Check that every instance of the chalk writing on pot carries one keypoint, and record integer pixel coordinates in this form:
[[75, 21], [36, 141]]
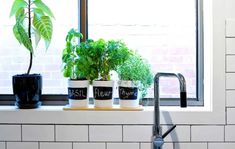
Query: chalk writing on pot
[[128, 93], [77, 93], [102, 92]]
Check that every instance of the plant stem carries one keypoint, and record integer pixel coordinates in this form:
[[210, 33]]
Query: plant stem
[[29, 34], [30, 62]]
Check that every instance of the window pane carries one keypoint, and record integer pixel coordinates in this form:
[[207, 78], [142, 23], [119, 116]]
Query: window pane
[[15, 58], [162, 31]]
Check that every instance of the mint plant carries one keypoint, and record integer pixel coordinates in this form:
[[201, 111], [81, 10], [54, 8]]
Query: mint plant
[[33, 18]]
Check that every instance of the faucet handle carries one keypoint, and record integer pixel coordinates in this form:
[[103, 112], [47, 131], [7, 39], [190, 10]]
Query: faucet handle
[[183, 99], [168, 131]]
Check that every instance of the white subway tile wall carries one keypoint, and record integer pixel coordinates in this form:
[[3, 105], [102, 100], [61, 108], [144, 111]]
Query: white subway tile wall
[[22, 145], [230, 98], [207, 133], [71, 133], [190, 146], [221, 146], [53, 145], [137, 133], [230, 133], [230, 81], [149, 145], [230, 115], [106, 133], [90, 145], [123, 146], [230, 63], [10, 133], [38, 133], [230, 45], [180, 133], [2, 145]]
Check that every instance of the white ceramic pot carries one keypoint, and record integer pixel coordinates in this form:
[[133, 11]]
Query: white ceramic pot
[[103, 94], [78, 93], [128, 94]]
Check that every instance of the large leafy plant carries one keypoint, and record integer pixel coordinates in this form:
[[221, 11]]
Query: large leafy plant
[[72, 67], [33, 17], [138, 70]]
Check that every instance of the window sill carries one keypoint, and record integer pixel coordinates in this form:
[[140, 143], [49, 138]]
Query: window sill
[[56, 115]]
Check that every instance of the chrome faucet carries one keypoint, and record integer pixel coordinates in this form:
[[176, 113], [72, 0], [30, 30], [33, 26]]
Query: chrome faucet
[[158, 137]]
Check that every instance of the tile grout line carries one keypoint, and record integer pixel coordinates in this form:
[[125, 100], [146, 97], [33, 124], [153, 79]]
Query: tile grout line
[[224, 133], [21, 131], [54, 132], [226, 113], [190, 133], [122, 134], [88, 132]]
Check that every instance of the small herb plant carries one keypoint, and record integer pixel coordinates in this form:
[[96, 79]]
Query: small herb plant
[[70, 57], [33, 17], [136, 69], [115, 54], [102, 57]]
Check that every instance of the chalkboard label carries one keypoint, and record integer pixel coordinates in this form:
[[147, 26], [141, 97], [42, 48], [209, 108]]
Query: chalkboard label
[[102, 93], [77, 93], [129, 93]]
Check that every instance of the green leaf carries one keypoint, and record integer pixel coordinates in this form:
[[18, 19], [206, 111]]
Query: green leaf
[[37, 37], [20, 15], [38, 12], [44, 26], [43, 7], [67, 71], [24, 37], [18, 4], [16, 33], [47, 43]]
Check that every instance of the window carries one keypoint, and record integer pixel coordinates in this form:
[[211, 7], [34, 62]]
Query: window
[[168, 33]]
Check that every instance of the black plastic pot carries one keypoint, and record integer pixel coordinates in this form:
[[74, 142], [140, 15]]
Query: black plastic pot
[[27, 89]]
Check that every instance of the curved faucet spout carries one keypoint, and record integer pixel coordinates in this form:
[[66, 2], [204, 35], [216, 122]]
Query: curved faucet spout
[[183, 99], [182, 82]]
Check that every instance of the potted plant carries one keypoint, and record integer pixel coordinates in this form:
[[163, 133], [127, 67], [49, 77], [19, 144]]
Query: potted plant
[[75, 68], [33, 18], [106, 56], [135, 75]]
